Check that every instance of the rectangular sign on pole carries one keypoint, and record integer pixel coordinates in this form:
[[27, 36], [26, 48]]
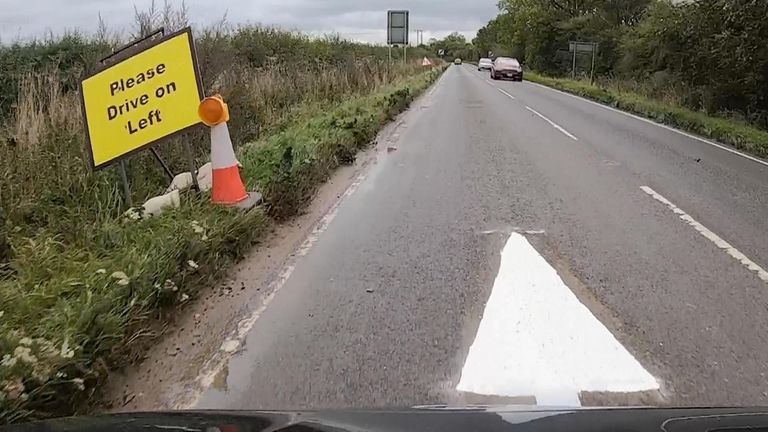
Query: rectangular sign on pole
[[397, 27], [142, 99], [581, 46]]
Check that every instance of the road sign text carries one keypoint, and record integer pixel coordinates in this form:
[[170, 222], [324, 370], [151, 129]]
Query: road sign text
[[142, 99]]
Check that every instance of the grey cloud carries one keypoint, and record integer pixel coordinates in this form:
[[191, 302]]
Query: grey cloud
[[356, 19]]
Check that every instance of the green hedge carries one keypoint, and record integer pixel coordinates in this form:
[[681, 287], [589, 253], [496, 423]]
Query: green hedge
[[70, 315]]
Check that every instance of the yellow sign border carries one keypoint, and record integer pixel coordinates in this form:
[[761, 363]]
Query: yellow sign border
[[196, 67]]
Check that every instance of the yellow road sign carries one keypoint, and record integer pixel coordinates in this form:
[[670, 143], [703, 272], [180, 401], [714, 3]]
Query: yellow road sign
[[142, 99]]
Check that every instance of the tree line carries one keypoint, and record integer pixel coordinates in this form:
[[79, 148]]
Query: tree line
[[708, 55], [455, 45]]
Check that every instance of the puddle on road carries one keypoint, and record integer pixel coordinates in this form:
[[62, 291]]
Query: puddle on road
[[220, 380]]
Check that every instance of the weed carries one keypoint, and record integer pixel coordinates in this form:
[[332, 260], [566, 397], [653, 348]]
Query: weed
[[80, 283]]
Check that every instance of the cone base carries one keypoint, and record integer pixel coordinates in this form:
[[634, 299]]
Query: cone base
[[254, 199], [228, 188]]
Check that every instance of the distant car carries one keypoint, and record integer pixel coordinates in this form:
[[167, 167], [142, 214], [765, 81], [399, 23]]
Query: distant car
[[484, 64], [457, 61], [506, 67]]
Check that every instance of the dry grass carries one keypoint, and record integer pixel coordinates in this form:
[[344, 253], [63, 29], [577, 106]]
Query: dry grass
[[79, 283]]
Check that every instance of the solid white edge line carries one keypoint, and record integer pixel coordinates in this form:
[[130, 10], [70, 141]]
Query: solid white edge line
[[554, 125], [434, 86], [711, 236], [670, 128], [502, 91], [235, 340]]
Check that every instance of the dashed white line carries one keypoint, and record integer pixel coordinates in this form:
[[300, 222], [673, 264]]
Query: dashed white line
[[554, 125], [537, 339], [502, 91], [643, 119], [711, 236]]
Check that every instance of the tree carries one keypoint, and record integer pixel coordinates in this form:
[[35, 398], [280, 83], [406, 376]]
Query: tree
[[711, 54], [454, 45]]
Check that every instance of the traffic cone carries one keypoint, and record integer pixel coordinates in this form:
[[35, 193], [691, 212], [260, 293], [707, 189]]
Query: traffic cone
[[227, 187]]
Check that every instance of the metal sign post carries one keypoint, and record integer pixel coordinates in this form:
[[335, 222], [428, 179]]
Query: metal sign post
[[583, 47], [126, 185], [150, 90], [573, 68]]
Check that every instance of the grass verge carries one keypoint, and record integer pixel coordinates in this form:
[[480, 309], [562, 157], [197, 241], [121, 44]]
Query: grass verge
[[736, 133], [69, 315]]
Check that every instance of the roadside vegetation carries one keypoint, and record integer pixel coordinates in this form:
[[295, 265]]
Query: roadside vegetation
[[700, 65], [82, 287]]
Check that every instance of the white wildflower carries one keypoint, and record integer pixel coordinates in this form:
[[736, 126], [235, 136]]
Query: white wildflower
[[133, 213], [184, 297], [13, 389], [79, 383], [8, 361], [41, 373], [193, 264], [170, 286], [122, 278], [101, 271], [196, 227], [199, 230], [119, 275], [24, 397], [46, 348], [66, 351], [25, 341], [24, 354]]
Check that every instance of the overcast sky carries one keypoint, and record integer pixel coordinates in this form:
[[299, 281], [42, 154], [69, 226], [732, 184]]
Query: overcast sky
[[363, 20]]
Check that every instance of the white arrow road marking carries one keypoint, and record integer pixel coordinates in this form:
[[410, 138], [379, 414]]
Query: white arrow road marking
[[536, 338], [711, 236]]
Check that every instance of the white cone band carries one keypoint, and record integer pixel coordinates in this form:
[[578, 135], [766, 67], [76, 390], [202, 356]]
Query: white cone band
[[222, 153]]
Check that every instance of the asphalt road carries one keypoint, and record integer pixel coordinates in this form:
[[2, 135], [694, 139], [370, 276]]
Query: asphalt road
[[384, 306]]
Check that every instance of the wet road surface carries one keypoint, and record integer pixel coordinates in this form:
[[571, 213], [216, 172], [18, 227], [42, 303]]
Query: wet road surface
[[519, 237]]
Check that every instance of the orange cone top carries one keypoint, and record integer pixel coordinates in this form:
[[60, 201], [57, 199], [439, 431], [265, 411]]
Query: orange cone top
[[213, 110]]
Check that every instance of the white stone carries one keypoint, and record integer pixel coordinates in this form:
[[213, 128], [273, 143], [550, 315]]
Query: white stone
[[155, 206], [181, 182]]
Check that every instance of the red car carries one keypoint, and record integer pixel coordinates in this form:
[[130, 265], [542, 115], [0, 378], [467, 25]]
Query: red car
[[506, 67]]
